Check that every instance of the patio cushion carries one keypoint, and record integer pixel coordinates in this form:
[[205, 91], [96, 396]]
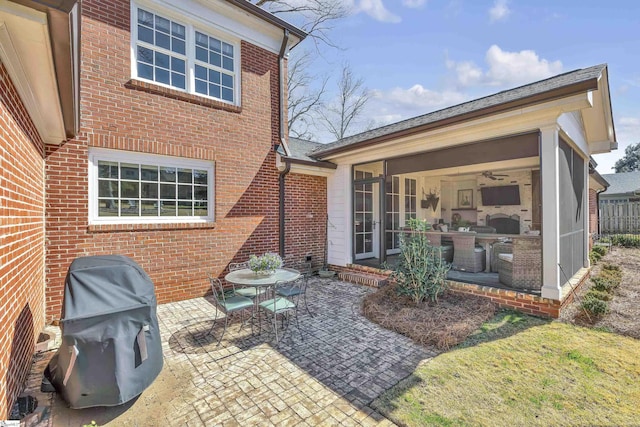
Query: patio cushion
[[236, 302], [281, 304], [506, 257], [250, 292], [289, 291]]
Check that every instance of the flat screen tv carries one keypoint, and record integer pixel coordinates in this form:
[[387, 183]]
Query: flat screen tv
[[500, 196]]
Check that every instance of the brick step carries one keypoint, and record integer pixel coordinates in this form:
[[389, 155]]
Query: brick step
[[362, 279]]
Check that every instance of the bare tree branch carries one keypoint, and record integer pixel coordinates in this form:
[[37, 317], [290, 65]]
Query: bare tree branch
[[340, 118], [304, 99]]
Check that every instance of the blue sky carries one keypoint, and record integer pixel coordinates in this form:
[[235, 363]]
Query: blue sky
[[417, 56]]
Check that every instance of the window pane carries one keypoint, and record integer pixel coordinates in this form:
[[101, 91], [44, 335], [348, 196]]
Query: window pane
[[201, 87], [227, 63], [162, 76], [178, 65], [108, 207], [145, 34], [167, 191], [162, 24], [178, 46], [201, 72], [167, 208], [214, 45], [227, 94], [200, 177], [129, 171], [107, 169], [201, 54], [185, 208], [129, 189], [130, 207], [177, 30], [185, 176], [163, 40], [149, 190], [227, 49], [162, 60], [178, 80], [185, 192], [145, 55], [149, 173], [202, 40], [227, 80], [200, 209], [149, 208], [145, 71], [107, 188], [145, 17], [200, 193], [214, 91], [214, 77], [168, 174], [214, 59]]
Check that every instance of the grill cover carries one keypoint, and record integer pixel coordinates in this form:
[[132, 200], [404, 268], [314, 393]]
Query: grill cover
[[111, 349]]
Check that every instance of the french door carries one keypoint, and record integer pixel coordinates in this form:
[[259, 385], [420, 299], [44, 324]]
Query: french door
[[366, 213]]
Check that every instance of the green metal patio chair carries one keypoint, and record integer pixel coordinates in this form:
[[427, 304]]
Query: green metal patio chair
[[249, 291], [298, 289], [227, 304], [283, 307]]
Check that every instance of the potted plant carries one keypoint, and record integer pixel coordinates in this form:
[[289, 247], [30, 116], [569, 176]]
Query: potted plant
[[266, 264]]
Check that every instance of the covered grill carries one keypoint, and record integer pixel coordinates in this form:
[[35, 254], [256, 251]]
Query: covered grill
[[111, 349]]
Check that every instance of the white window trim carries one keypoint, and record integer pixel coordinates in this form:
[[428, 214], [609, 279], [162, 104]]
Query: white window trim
[[192, 24], [97, 154]]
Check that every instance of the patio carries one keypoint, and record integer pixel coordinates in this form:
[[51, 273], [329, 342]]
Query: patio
[[329, 378]]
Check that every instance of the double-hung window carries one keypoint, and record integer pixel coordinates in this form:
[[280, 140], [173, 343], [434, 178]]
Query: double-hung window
[[175, 53], [129, 187]]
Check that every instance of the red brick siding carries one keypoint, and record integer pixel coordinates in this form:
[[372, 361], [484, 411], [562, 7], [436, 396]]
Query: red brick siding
[[305, 217], [21, 242], [118, 113]]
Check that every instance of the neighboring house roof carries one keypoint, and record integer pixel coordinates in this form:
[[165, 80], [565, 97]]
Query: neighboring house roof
[[269, 17], [299, 148], [622, 183], [552, 88]]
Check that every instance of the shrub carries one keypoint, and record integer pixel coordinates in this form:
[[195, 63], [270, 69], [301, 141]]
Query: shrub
[[594, 257], [615, 277], [421, 272], [601, 295], [600, 250], [605, 283], [594, 306], [611, 267], [626, 240]]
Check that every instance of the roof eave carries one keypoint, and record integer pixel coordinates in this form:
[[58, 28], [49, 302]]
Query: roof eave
[[320, 163], [269, 17], [551, 95]]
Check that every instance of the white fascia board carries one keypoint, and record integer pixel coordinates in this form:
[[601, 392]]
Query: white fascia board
[[511, 122], [311, 170], [572, 128], [25, 50], [223, 17]]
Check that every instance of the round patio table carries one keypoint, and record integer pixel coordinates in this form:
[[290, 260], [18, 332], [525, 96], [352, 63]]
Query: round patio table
[[246, 277]]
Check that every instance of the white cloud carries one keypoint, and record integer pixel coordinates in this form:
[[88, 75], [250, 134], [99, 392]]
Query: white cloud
[[376, 10], [414, 4], [400, 103], [500, 11], [504, 68]]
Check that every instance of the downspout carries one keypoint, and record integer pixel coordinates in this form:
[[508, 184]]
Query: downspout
[[283, 142]]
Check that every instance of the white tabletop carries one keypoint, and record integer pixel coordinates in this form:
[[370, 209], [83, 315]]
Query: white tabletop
[[247, 277]]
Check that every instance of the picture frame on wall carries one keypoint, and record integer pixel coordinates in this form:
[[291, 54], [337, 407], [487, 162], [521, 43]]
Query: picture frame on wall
[[465, 199]]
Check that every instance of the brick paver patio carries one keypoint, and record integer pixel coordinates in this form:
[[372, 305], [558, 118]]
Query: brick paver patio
[[329, 378]]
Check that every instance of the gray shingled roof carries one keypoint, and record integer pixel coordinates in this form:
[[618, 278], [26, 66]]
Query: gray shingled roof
[[299, 149], [519, 93], [622, 183]]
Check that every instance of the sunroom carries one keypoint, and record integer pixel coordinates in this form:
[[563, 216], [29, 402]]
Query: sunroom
[[502, 181]]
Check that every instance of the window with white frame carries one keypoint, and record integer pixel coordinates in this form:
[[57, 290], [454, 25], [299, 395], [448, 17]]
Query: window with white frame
[[174, 53], [127, 187]]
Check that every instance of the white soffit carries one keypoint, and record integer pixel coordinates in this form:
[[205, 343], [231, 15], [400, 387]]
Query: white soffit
[[25, 51], [598, 120]]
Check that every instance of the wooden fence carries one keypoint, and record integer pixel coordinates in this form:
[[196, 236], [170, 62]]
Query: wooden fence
[[620, 217]]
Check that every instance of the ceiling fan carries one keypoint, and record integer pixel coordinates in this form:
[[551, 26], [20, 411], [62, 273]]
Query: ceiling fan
[[493, 176]]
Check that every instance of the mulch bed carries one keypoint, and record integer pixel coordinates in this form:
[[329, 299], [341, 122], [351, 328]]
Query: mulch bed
[[443, 325]]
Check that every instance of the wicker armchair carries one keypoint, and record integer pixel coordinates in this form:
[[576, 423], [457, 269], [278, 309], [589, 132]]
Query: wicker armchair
[[435, 239], [522, 269], [466, 255], [497, 249]]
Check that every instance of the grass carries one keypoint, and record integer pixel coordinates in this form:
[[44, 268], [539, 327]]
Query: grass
[[520, 370]]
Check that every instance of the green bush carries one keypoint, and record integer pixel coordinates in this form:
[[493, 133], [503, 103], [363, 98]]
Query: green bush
[[594, 306], [601, 295], [626, 240], [421, 272], [594, 256], [612, 267], [600, 250], [605, 283], [614, 276]]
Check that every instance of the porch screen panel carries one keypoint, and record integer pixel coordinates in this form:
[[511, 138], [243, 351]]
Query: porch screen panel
[[571, 210], [410, 199], [392, 191]]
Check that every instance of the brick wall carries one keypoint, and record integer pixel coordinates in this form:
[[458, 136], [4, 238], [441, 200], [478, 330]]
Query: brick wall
[[305, 217], [21, 242], [123, 114]]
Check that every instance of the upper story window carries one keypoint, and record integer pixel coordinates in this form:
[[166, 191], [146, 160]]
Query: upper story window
[[173, 52], [127, 187]]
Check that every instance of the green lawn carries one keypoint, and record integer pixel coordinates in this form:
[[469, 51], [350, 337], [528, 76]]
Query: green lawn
[[521, 371]]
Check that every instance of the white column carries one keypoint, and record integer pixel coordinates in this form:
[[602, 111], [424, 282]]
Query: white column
[[339, 231], [549, 173]]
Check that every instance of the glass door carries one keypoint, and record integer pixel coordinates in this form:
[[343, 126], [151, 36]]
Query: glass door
[[365, 216]]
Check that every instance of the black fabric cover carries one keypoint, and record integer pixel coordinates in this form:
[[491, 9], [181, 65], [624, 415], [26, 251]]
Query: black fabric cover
[[109, 317]]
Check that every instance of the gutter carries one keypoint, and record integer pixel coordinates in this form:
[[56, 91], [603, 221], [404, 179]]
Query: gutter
[[283, 144]]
